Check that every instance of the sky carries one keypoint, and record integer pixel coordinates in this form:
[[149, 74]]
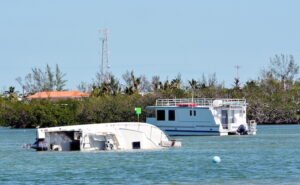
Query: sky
[[156, 37]]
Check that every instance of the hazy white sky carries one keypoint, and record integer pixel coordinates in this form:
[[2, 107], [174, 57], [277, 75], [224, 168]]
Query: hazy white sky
[[150, 37]]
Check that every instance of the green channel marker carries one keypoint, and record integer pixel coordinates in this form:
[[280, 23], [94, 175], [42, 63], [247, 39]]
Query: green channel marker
[[138, 111]]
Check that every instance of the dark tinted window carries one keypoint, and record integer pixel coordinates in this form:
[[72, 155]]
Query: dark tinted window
[[160, 115], [136, 145], [171, 115]]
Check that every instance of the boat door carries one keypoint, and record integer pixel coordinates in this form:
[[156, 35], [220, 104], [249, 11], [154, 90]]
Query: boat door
[[224, 119]]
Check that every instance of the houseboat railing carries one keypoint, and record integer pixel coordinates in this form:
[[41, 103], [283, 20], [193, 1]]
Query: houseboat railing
[[233, 102], [199, 102]]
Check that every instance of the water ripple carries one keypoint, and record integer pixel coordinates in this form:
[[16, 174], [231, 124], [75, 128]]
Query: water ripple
[[271, 157]]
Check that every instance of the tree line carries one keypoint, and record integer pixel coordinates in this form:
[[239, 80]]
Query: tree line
[[273, 98]]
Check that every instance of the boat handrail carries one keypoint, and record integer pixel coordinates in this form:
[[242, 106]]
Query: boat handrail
[[199, 102]]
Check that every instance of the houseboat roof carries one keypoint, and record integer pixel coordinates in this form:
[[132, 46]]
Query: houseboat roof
[[199, 102]]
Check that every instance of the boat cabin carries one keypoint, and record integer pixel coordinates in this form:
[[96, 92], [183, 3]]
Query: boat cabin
[[199, 116]]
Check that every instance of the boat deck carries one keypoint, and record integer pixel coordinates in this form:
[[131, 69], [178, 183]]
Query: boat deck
[[199, 102]]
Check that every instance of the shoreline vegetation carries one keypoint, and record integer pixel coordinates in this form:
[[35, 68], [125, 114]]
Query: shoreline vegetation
[[273, 98]]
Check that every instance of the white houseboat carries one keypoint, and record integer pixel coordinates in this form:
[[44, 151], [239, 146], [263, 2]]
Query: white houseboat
[[198, 116], [102, 137]]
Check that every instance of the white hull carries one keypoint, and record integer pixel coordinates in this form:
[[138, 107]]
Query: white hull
[[108, 136]]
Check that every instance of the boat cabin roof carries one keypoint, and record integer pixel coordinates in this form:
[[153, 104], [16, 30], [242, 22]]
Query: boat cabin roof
[[199, 102]]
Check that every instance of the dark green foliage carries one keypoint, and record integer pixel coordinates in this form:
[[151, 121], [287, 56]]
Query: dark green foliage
[[274, 98], [36, 113], [267, 101], [45, 113]]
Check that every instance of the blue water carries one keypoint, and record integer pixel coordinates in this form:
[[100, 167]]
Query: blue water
[[271, 157]]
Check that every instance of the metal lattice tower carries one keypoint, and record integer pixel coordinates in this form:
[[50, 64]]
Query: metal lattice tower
[[104, 55], [237, 71]]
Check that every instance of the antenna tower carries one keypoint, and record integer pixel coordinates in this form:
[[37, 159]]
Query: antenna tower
[[104, 55], [237, 71]]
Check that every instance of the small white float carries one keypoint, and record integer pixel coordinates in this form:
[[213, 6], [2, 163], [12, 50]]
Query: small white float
[[106, 136], [216, 159]]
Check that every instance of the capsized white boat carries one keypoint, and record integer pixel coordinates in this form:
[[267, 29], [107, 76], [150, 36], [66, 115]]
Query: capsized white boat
[[106, 136]]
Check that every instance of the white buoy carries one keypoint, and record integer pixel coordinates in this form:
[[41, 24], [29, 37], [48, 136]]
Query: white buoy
[[216, 159]]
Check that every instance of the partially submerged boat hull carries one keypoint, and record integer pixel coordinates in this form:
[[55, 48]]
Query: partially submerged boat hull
[[102, 137]]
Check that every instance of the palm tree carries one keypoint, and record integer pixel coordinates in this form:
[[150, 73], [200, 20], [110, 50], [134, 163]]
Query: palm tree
[[11, 93], [156, 83], [133, 83], [194, 84], [109, 87]]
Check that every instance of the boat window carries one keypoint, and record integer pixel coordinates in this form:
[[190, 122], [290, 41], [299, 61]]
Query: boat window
[[224, 118], [171, 115], [231, 116], [192, 112], [136, 145], [160, 115]]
